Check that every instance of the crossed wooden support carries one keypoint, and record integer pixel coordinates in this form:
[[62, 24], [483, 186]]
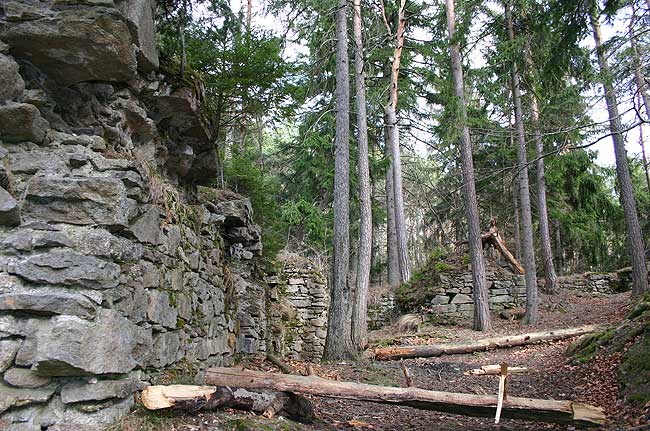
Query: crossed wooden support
[[503, 372]]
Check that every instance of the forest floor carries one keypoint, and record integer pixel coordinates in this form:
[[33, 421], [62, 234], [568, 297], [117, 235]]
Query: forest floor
[[553, 376]]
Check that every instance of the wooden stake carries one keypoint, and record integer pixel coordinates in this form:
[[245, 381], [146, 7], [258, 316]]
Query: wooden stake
[[502, 391], [407, 374]]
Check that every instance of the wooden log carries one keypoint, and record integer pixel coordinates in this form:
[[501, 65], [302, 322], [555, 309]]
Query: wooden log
[[283, 366], [494, 370], [193, 398], [564, 412], [500, 245], [430, 350]]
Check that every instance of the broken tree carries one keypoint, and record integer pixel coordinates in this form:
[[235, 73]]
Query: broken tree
[[429, 350], [193, 398], [566, 412]]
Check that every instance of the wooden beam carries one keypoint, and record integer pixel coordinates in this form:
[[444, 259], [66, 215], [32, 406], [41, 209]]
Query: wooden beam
[[564, 412], [193, 398], [431, 350]]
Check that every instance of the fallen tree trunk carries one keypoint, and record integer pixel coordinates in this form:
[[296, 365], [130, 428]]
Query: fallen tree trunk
[[564, 412], [429, 350], [193, 398]]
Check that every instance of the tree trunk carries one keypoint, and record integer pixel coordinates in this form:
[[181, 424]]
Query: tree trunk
[[531, 315], [338, 344], [516, 214], [193, 398], [360, 313], [566, 412], [642, 93], [479, 286], [558, 247], [626, 192], [391, 237], [550, 278], [393, 137], [432, 350]]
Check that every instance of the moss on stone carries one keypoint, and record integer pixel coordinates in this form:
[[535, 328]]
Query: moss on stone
[[635, 372]]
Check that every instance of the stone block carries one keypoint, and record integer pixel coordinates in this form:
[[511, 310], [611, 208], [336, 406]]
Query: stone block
[[12, 83], [22, 122], [70, 346], [146, 228], [9, 210], [165, 349], [440, 300], [100, 390], [461, 299], [18, 397], [81, 201], [47, 300], [24, 378], [59, 46], [159, 309], [8, 350], [69, 268]]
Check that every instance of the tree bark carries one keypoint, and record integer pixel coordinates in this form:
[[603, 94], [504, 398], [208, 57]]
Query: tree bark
[[432, 350], [393, 137], [531, 315], [193, 398], [626, 192], [479, 286], [642, 93], [391, 237], [566, 412], [517, 224], [550, 277], [360, 313], [558, 247], [338, 344]]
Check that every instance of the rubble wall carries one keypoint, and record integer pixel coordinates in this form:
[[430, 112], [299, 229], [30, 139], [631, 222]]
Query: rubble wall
[[115, 264]]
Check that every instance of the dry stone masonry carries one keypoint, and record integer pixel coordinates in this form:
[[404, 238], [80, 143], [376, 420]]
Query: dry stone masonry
[[115, 263], [299, 301]]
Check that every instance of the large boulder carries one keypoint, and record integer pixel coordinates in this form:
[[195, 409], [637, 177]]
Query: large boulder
[[76, 45], [68, 268], [22, 122], [81, 201], [139, 15], [70, 346], [12, 83]]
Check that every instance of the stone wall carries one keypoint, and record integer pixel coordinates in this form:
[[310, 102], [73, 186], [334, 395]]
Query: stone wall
[[454, 292], [451, 296], [299, 302], [114, 264]]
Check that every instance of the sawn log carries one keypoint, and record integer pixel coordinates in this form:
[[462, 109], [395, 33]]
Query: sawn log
[[194, 398], [564, 412], [429, 350]]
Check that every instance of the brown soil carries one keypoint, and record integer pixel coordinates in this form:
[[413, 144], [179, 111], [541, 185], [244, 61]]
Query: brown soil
[[552, 377]]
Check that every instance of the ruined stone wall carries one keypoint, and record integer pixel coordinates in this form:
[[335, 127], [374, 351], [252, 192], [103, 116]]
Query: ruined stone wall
[[451, 293], [298, 304], [114, 264]]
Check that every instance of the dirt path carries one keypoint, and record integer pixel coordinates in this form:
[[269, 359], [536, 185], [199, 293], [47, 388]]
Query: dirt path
[[552, 377]]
